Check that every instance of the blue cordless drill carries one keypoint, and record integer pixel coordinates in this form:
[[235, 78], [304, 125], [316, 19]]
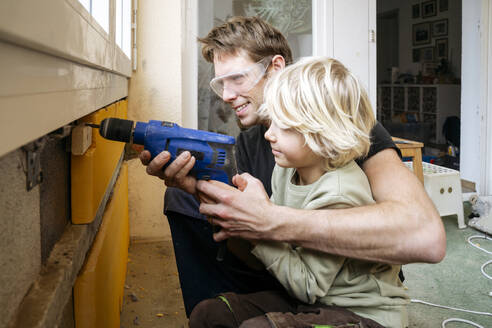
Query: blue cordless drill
[[214, 153]]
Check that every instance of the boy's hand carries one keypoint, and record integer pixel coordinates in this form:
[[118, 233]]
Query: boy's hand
[[204, 198]]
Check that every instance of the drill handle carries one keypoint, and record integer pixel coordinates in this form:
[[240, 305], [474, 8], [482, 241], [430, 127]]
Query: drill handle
[[212, 175]]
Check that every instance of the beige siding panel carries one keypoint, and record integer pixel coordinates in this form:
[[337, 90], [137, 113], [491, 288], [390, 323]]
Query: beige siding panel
[[40, 93]]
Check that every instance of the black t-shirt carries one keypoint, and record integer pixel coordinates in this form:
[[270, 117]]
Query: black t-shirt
[[254, 156]]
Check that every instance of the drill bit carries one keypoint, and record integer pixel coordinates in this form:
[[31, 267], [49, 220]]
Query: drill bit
[[92, 125]]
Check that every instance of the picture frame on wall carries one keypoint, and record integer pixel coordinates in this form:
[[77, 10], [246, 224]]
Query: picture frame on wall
[[421, 33], [429, 8], [416, 10], [427, 54], [440, 28], [443, 5], [441, 48]]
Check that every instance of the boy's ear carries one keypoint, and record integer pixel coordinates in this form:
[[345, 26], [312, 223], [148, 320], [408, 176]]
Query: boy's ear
[[278, 63]]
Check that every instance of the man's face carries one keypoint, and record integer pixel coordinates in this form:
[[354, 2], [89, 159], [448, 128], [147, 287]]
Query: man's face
[[244, 103]]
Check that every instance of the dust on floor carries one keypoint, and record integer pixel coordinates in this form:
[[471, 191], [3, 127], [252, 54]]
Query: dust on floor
[[152, 293]]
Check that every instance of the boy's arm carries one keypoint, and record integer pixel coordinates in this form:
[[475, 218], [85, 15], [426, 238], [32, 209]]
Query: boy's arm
[[402, 227], [306, 274]]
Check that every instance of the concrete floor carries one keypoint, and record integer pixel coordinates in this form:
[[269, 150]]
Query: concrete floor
[[152, 292], [153, 297]]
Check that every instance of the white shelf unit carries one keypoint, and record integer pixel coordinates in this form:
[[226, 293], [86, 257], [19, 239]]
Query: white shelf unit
[[431, 103]]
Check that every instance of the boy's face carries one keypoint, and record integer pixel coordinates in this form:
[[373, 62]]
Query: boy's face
[[290, 150], [244, 103]]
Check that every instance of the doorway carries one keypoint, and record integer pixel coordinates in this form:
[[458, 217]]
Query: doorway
[[419, 75], [388, 51]]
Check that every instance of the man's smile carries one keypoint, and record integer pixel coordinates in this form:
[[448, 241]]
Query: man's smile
[[240, 108]]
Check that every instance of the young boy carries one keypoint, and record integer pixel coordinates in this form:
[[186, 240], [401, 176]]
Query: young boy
[[321, 121]]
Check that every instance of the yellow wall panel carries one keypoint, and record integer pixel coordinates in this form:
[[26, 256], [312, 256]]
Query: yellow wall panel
[[99, 288], [92, 172]]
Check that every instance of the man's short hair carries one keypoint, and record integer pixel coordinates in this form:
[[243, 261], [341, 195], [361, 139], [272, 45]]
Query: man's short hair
[[325, 102], [253, 35]]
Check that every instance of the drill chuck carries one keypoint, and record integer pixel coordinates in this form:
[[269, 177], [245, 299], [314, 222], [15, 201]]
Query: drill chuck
[[116, 129]]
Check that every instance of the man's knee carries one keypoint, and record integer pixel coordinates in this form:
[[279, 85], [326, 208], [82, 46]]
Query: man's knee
[[256, 322], [212, 312]]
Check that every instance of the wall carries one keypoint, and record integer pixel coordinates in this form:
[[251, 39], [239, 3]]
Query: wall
[[20, 237], [57, 65], [470, 92], [453, 14], [154, 94], [54, 194]]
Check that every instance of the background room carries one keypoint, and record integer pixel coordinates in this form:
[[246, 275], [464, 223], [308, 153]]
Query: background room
[[419, 74]]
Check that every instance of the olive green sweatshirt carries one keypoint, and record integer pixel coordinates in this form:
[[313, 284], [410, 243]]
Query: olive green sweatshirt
[[372, 290]]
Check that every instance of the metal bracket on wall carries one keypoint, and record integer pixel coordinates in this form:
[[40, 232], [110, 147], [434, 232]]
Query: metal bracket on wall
[[34, 174], [33, 150]]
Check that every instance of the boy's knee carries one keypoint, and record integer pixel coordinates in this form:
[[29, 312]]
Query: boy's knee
[[211, 313]]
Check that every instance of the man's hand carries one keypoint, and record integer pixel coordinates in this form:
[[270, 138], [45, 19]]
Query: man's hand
[[176, 174], [242, 212]]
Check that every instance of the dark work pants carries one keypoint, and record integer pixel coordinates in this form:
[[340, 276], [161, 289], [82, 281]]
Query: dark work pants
[[272, 309], [200, 274]]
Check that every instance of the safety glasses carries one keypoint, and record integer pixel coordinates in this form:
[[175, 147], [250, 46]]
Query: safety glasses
[[243, 81]]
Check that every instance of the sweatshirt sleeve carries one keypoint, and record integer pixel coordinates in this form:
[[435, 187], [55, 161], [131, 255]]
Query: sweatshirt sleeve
[[306, 274]]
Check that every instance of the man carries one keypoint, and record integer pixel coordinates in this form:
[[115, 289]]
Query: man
[[403, 226]]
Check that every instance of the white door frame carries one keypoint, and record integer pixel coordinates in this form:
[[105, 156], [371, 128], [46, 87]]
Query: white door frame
[[485, 183], [323, 28], [189, 64], [324, 18]]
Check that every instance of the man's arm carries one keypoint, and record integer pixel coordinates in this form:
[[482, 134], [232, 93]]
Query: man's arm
[[402, 227], [403, 203]]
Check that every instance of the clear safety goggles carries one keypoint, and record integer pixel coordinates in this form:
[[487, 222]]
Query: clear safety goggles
[[242, 81]]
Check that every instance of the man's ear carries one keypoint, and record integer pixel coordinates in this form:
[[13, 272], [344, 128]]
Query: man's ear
[[278, 63]]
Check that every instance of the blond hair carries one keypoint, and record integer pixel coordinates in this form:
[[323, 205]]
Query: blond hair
[[325, 102], [251, 34]]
